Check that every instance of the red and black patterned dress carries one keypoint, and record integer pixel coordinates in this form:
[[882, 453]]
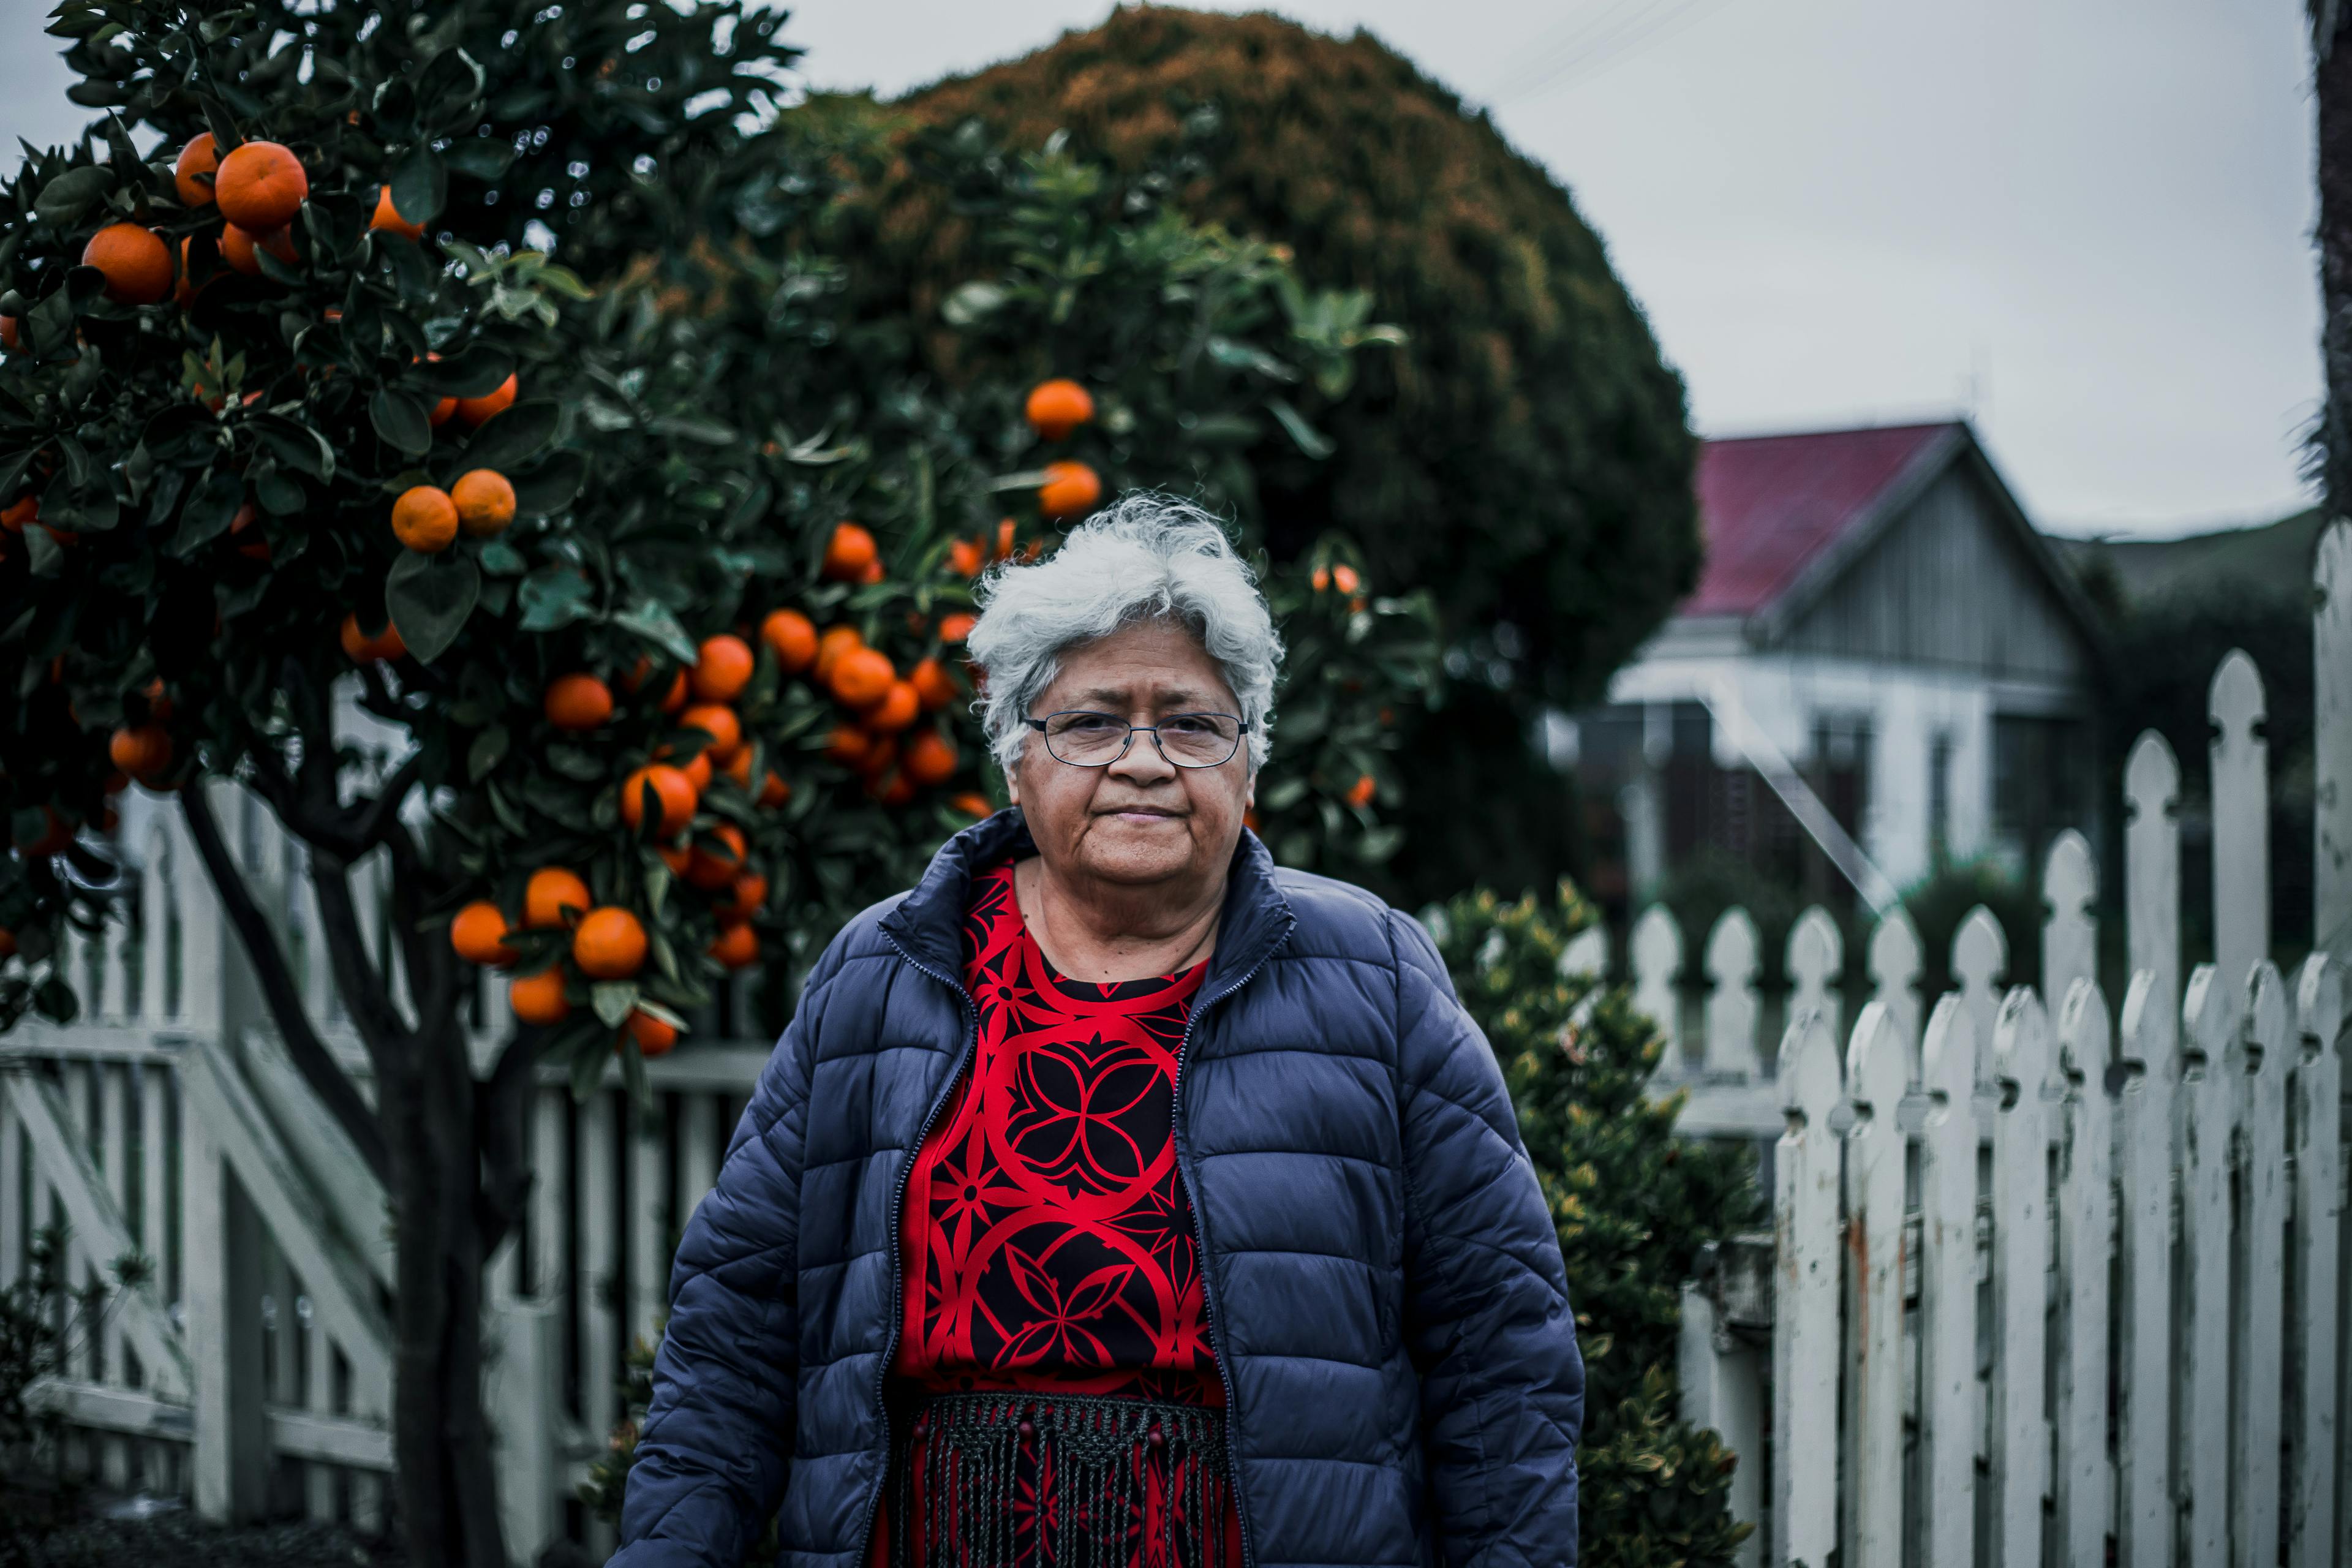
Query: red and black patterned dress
[[1052, 1284]]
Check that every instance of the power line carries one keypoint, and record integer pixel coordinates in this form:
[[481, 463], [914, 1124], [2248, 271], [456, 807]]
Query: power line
[[1660, 20]]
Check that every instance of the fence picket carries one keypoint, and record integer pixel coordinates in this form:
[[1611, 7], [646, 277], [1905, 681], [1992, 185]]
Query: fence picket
[[1878, 1070], [2021, 1237], [2317, 1132], [602, 1142], [2241, 824], [114, 1167], [2069, 931], [1805, 1309], [1732, 1007], [2144, 1173], [649, 1241], [2258, 1075], [2086, 1219], [1979, 961], [2202, 1489], [1947, 1287], [1895, 961], [1655, 951], [1816, 958]]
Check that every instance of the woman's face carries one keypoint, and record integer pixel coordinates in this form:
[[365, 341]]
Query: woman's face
[[1142, 819]]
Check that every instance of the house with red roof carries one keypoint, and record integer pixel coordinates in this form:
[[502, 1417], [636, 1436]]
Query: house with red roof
[[1884, 667]]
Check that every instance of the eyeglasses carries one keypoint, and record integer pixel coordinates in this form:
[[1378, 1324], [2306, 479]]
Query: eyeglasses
[[1086, 740]]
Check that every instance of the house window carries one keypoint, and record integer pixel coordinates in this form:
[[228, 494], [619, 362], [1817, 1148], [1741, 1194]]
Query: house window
[[2041, 781], [1939, 798]]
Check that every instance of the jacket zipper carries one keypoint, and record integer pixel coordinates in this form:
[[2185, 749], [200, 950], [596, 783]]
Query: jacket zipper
[[897, 1220], [1201, 1240]]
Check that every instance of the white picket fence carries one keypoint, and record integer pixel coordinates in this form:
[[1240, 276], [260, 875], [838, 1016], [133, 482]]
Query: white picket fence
[[2035, 1279], [2046, 1279]]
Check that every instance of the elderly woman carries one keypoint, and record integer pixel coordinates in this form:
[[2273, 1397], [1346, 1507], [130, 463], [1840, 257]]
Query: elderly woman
[[1116, 1196]]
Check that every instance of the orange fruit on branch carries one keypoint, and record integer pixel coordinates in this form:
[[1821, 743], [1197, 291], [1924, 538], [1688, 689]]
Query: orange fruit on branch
[[738, 946], [1071, 489], [792, 637], [964, 558], [901, 706], [933, 685], [863, 677], [192, 173], [1059, 406], [849, 745], [719, 722], [748, 897], [610, 944], [538, 999], [257, 548], [260, 186], [1359, 794], [698, 770], [137, 264], [711, 868], [366, 649], [738, 766], [957, 626], [973, 803], [237, 246], [930, 758], [485, 502], [849, 552], [837, 641], [474, 410], [387, 216], [578, 701], [674, 792], [722, 667], [551, 891], [479, 935], [774, 791], [654, 1035], [143, 751], [424, 519]]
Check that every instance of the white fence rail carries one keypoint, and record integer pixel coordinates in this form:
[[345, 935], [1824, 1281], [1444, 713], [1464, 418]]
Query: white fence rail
[[2047, 1278]]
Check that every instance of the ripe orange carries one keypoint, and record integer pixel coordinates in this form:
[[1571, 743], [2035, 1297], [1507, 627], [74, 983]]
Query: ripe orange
[[673, 795], [848, 552], [549, 892], [849, 746], [424, 519], [578, 701], [485, 500], [793, 637], [17, 513], [474, 410], [893, 788], [1059, 406], [1359, 794], [137, 264], [1070, 489], [930, 758], [674, 699], [932, 684], [1003, 540], [443, 411], [158, 700], [722, 667], [237, 245], [260, 186], [711, 869], [386, 216], [774, 791], [717, 721], [973, 803], [873, 572], [192, 175], [366, 649], [257, 548], [900, 707], [738, 767], [654, 1037], [749, 896], [7, 944], [7, 332], [880, 753], [837, 641], [478, 934], [964, 557], [738, 946], [143, 751], [676, 857], [538, 999], [957, 626], [698, 770], [610, 944], [862, 678]]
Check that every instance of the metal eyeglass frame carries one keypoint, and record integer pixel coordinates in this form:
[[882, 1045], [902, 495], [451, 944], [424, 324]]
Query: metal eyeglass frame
[[1241, 732]]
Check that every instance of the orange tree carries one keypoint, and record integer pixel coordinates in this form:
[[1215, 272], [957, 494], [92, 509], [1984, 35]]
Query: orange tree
[[446, 422]]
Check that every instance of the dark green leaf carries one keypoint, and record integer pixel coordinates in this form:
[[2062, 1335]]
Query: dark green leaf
[[614, 1000], [429, 597], [652, 619], [483, 157], [490, 747], [513, 434], [1311, 441], [553, 597], [209, 511], [549, 486], [574, 763], [420, 184], [446, 89], [65, 200], [400, 419], [296, 445], [475, 372], [500, 559]]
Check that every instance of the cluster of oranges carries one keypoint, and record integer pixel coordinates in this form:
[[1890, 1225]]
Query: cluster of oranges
[[608, 942], [1054, 409], [429, 519]]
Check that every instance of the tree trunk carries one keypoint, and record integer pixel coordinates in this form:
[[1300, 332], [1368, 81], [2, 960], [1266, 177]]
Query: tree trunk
[[2332, 87]]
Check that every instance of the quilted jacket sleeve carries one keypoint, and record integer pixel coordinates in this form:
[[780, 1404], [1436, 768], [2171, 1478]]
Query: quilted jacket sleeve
[[710, 1461], [1487, 1321]]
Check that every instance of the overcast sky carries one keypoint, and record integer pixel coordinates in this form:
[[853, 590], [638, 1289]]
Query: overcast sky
[[2084, 222]]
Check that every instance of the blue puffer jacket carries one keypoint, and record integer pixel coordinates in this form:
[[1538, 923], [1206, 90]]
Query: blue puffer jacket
[[1385, 1293]]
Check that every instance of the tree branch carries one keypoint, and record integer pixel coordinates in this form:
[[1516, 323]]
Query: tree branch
[[498, 1110], [380, 1024], [311, 1058]]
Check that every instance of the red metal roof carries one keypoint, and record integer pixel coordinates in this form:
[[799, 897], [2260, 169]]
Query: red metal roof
[[1768, 504]]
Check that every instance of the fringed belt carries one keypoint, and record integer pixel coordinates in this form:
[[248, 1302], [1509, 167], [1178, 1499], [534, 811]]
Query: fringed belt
[[987, 1480]]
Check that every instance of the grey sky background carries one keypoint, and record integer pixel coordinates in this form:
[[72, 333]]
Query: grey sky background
[[2085, 223]]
